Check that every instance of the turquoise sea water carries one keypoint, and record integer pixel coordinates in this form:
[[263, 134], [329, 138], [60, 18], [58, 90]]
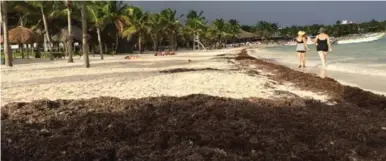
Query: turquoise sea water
[[362, 64], [363, 58]]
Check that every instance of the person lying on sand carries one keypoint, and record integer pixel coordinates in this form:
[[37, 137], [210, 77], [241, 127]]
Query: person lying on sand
[[165, 53], [130, 57]]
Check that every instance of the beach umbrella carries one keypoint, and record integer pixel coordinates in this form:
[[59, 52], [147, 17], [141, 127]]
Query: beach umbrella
[[22, 35]]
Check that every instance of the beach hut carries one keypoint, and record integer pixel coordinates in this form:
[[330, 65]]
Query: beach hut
[[22, 35], [244, 36]]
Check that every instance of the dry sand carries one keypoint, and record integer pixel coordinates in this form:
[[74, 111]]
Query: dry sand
[[196, 127], [118, 77]]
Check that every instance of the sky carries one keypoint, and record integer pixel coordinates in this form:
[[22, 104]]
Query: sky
[[285, 13]]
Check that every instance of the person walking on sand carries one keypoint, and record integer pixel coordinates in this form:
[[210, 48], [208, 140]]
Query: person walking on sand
[[301, 47], [323, 45]]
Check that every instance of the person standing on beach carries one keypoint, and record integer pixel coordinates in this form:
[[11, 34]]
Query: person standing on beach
[[323, 45], [301, 47]]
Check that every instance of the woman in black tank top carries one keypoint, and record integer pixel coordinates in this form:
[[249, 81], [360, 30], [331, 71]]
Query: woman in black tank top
[[322, 42]]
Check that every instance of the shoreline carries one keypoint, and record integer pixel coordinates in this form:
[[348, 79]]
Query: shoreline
[[345, 78]]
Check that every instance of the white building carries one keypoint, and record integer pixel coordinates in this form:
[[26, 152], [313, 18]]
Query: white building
[[343, 22]]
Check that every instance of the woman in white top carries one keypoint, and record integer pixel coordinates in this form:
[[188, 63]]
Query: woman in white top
[[301, 47]]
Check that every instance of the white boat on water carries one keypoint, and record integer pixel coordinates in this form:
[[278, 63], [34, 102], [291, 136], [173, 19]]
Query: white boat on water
[[366, 38]]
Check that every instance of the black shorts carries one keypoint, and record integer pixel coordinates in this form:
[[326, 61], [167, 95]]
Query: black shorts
[[322, 50], [301, 51]]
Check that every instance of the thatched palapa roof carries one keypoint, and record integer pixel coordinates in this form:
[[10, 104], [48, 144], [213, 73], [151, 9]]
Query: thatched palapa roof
[[22, 35], [244, 34]]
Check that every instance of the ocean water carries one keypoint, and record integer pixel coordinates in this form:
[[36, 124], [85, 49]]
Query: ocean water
[[362, 64]]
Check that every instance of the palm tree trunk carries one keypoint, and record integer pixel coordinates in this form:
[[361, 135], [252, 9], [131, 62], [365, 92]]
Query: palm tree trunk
[[100, 42], [37, 53], [84, 36], [47, 34], [69, 41], [6, 47], [21, 46], [171, 42], [139, 44], [1, 32], [28, 47], [65, 46], [194, 41], [116, 44], [154, 39], [175, 42], [154, 45], [21, 20], [32, 50]]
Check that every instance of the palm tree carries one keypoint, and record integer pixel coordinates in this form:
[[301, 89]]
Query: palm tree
[[84, 35], [1, 33], [68, 4], [136, 23], [156, 26], [172, 25], [234, 28], [247, 28], [118, 14], [99, 16], [7, 51], [42, 7], [23, 10], [195, 24], [266, 29], [219, 30]]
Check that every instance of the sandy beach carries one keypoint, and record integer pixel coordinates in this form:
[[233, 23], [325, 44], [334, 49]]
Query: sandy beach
[[220, 105], [142, 77]]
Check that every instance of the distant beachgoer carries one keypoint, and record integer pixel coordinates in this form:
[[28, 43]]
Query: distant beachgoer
[[301, 48], [323, 45]]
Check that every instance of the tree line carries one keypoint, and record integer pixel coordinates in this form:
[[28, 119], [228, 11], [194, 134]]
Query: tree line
[[115, 26], [336, 30]]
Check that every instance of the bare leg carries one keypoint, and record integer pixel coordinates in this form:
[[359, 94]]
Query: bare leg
[[322, 58], [300, 59], [303, 59], [325, 58]]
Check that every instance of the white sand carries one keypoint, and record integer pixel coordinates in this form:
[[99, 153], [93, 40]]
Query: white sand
[[118, 77]]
